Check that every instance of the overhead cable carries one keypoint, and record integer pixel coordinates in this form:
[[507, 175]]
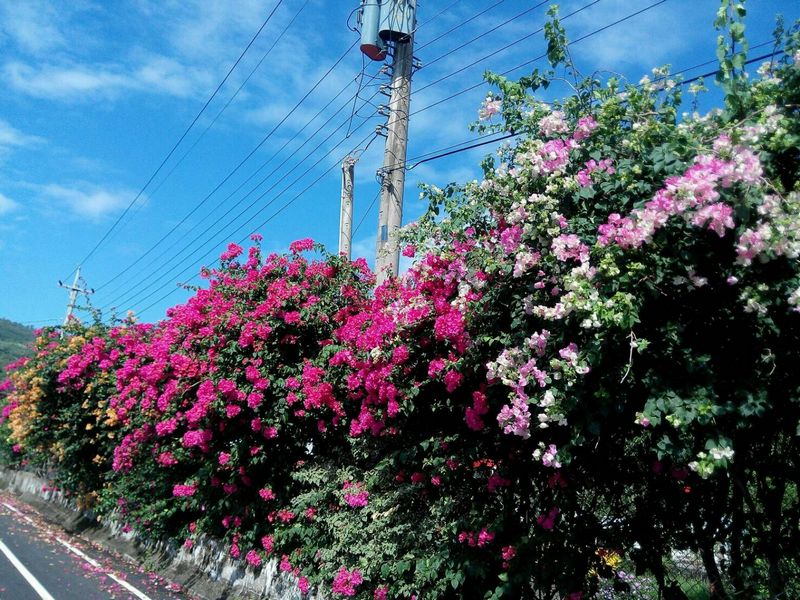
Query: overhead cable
[[180, 140]]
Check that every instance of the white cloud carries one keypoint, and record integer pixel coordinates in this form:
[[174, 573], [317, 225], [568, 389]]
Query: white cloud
[[630, 46], [31, 24], [7, 205], [87, 200], [11, 137], [161, 74], [57, 82], [153, 74]]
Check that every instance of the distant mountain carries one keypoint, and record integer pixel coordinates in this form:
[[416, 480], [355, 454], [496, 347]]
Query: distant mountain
[[15, 341]]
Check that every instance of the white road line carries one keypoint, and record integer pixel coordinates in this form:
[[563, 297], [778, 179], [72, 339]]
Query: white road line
[[83, 555], [128, 587], [9, 507], [96, 564], [19, 512], [34, 583]]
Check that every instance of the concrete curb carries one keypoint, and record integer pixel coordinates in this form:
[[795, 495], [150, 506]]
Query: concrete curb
[[206, 571]]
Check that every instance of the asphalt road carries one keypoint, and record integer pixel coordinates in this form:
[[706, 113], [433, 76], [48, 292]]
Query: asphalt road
[[39, 561]]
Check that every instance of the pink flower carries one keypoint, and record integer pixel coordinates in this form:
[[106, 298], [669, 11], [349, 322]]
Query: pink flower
[[166, 459], [224, 458], [355, 494], [549, 457], [381, 593], [584, 128], [548, 521], [232, 252], [484, 537], [285, 566], [182, 491], [291, 318], [511, 238], [515, 418], [452, 380], [266, 494], [303, 585], [346, 582], [253, 558], [489, 108], [435, 366], [267, 543], [301, 245]]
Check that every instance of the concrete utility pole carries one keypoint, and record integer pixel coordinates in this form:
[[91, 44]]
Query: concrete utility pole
[[74, 290], [390, 216], [346, 212]]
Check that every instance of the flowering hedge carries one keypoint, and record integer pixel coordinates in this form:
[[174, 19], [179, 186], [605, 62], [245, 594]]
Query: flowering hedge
[[590, 364]]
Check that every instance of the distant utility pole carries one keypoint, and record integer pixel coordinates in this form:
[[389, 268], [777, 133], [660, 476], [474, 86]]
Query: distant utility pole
[[384, 22], [346, 211], [77, 287], [390, 215]]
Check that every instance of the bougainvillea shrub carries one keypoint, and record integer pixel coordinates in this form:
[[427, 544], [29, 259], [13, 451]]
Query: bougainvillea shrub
[[591, 365]]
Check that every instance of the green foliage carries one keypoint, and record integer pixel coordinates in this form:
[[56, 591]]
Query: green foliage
[[590, 369], [15, 341]]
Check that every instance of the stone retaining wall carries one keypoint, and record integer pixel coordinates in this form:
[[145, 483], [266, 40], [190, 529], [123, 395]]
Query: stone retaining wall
[[207, 570]]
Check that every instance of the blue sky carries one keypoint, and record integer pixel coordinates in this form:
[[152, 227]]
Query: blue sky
[[97, 92]]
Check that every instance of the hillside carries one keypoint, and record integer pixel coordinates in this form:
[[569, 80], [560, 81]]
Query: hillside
[[14, 341]]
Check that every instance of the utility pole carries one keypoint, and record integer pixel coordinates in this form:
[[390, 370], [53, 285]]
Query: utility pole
[[346, 211], [393, 173], [74, 289]]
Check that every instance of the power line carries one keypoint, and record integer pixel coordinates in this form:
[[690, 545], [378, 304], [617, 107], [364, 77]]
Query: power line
[[254, 188], [458, 148], [540, 57], [242, 161], [189, 247], [285, 176], [492, 30], [747, 62], [182, 137], [442, 153], [185, 218], [459, 25], [232, 98], [275, 214], [506, 47], [366, 212], [433, 156]]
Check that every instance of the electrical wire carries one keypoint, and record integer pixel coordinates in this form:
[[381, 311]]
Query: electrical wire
[[232, 98], [459, 26], [542, 56], [457, 148], [245, 159], [180, 140], [440, 154], [149, 251], [507, 46], [439, 14], [246, 181], [139, 289], [366, 212], [492, 30], [268, 220], [190, 247]]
